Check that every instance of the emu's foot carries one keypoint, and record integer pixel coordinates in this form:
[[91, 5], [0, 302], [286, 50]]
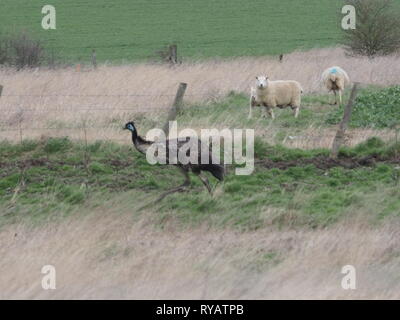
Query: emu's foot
[[212, 192], [181, 188]]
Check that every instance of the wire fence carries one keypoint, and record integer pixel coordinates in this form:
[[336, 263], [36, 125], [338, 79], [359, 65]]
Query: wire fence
[[18, 128], [16, 121], [85, 108], [19, 112], [95, 107], [100, 95]]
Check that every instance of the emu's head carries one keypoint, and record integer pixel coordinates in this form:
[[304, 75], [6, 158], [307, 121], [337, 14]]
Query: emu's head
[[130, 126], [262, 82]]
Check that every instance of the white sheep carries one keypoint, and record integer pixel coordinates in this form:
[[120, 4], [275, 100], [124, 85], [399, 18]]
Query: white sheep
[[271, 94], [335, 79]]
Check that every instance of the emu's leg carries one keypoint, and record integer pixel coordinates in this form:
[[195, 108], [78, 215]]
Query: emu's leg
[[179, 188], [187, 178], [205, 182]]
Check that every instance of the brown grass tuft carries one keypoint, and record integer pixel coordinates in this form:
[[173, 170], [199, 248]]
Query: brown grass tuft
[[109, 256]]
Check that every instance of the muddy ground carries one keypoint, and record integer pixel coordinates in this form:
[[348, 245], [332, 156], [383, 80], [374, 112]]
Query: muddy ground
[[320, 162]]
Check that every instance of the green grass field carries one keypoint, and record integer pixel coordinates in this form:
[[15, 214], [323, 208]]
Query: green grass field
[[134, 30]]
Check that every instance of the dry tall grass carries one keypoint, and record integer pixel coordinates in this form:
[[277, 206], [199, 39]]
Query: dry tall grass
[[109, 256], [106, 97]]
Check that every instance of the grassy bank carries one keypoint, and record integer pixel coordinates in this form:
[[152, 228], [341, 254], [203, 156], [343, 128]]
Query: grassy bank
[[48, 179]]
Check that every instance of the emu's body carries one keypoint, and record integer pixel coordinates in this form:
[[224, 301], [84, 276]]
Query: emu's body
[[172, 147]]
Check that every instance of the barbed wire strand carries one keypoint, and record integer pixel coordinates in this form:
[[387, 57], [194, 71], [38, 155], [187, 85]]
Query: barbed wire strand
[[100, 95]]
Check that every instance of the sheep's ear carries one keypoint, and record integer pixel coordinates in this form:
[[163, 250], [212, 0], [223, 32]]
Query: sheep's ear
[[256, 78]]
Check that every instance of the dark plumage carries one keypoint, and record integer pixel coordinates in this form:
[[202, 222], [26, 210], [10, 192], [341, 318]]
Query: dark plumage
[[172, 147]]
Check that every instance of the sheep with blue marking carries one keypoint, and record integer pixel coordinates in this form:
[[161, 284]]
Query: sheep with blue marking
[[335, 79]]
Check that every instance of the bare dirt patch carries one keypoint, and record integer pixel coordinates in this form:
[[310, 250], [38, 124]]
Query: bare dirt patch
[[320, 162]]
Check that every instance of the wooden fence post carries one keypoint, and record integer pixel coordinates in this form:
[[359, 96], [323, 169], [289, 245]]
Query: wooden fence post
[[94, 60], [173, 54], [176, 106], [340, 134], [86, 156], [20, 130], [52, 62]]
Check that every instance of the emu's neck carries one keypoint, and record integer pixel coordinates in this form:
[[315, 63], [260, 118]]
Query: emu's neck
[[140, 144]]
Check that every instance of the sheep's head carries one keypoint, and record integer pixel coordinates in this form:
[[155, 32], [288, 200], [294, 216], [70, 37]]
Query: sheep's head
[[262, 82]]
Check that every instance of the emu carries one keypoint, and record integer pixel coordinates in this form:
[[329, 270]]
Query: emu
[[172, 147]]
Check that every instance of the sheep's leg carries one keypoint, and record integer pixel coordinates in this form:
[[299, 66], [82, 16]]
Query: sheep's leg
[[340, 96], [270, 112], [331, 97], [334, 91], [252, 104], [264, 112], [296, 111]]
